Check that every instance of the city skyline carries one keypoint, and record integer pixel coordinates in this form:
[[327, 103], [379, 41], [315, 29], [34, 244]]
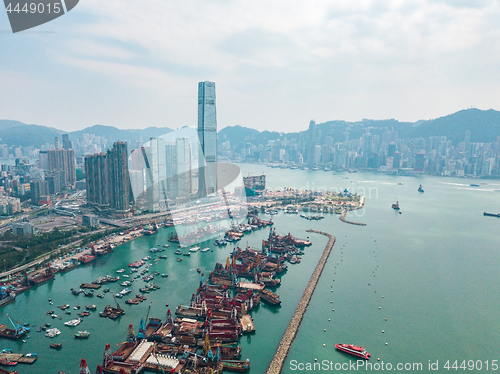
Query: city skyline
[[410, 61]]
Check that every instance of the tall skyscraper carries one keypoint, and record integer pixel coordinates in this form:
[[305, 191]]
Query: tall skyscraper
[[156, 175], [207, 132], [57, 144], [311, 144], [67, 144], [63, 159], [184, 185], [107, 177], [96, 175], [119, 180], [171, 161]]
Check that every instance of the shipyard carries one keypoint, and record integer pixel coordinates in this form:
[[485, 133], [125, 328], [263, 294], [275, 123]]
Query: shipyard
[[200, 336]]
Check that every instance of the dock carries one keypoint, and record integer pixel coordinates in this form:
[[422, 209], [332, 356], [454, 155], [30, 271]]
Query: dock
[[247, 325], [342, 218], [18, 357], [281, 354]]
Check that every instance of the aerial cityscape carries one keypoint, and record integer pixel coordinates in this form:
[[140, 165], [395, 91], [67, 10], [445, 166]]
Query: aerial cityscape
[[204, 217]]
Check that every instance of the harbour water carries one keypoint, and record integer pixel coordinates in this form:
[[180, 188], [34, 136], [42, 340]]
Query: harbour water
[[434, 268]]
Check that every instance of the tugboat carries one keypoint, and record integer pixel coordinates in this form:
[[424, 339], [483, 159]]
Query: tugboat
[[353, 350], [420, 188]]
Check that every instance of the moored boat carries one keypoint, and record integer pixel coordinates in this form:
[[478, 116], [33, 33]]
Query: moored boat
[[353, 350], [236, 365], [56, 345], [82, 334]]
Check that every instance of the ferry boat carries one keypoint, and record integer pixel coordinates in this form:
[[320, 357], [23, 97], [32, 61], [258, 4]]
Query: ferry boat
[[353, 350]]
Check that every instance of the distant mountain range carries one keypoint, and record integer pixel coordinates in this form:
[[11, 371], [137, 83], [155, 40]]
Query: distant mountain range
[[484, 126], [15, 133]]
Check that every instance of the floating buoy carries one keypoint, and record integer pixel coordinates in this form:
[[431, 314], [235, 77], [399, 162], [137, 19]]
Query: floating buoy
[[328, 319], [331, 302], [383, 331], [379, 307], [324, 330], [324, 345], [382, 296], [331, 291], [378, 358], [385, 319], [386, 344], [333, 310], [315, 359]]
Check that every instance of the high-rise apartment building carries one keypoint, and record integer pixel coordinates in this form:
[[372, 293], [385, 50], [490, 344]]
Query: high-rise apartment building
[[63, 159], [207, 133], [39, 188], [56, 180], [184, 171], [119, 181], [107, 177], [96, 176], [171, 161]]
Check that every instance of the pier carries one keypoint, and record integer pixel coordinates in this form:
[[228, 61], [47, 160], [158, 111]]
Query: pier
[[342, 218], [281, 354]]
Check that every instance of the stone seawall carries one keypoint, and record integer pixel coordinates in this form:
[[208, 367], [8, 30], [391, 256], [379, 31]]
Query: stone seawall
[[342, 218], [279, 358]]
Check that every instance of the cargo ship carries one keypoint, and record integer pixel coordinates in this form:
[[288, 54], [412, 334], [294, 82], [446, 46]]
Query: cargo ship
[[6, 296], [270, 297], [484, 214], [42, 278], [353, 350]]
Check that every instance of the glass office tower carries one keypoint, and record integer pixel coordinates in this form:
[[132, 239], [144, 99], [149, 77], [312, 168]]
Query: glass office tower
[[207, 132]]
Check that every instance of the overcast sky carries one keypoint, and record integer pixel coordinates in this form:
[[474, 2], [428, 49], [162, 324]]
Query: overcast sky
[[277, 63]]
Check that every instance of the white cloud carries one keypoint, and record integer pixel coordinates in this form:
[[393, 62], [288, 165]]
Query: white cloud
[[278, 63]]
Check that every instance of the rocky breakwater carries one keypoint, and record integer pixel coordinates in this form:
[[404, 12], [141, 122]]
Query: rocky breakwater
[[286, 342]]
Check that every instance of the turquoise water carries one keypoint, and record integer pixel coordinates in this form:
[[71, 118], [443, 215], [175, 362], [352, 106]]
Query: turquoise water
[[436, 264]]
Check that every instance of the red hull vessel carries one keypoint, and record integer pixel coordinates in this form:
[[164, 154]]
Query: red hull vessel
[[353, 350]]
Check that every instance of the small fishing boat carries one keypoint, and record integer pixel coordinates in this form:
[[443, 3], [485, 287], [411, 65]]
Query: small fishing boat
[[56, 345], [82, 334]]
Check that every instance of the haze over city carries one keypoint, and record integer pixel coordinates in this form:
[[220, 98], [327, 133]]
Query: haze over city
[[277, 64]]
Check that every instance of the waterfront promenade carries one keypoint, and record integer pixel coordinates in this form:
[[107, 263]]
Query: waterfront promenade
[[281, 354]]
